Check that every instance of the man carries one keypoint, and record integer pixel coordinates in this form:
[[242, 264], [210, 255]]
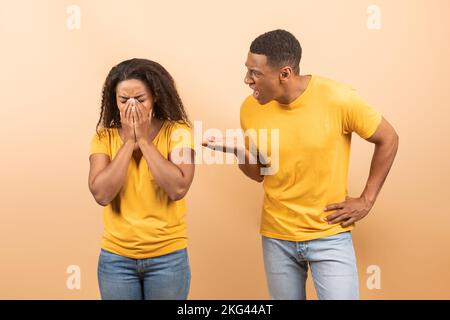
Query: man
[[307, 215]]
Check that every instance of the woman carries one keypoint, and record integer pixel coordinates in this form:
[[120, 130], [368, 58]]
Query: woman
[[134, 176]]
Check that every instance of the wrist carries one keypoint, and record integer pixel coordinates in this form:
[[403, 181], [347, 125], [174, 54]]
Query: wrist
[[128, 145], [368, 200], [238, 151], [129, 142], [142, 141]]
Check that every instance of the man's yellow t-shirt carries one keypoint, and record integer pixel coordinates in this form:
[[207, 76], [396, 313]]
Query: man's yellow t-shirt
[[314, 147], [142, 221]]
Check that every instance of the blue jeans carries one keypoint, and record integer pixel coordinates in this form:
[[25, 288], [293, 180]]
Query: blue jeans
[[332, 261], [165, 277]]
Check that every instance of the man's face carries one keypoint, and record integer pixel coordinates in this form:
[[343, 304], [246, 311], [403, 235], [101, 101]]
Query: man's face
[[262, 78]]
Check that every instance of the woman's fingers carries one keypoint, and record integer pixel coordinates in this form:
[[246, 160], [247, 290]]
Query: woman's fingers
[[132, 107], [131, 112], [140, 111], [128, 113], [135, 112], [133, 115]]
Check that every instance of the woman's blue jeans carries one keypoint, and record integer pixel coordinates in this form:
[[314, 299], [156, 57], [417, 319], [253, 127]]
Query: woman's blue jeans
[[165, 277]]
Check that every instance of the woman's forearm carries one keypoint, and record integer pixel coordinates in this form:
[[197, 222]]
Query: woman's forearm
[[109, 181], [166, 174]]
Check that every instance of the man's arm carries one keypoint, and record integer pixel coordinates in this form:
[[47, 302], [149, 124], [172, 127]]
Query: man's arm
[[253, 171], [354, 209], [251, 165], [386, 144]]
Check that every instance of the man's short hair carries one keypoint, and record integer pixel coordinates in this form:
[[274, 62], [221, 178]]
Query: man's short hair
[[280, 47]]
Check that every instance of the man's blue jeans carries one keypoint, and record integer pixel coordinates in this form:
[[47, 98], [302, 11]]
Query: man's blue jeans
[[164, 277], [332, 262]]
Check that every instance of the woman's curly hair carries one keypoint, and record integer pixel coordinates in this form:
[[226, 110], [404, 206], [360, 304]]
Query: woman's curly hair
[[167, 104]]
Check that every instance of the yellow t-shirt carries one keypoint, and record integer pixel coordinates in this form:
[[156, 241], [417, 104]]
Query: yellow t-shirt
[[314, 147], [142, 221]]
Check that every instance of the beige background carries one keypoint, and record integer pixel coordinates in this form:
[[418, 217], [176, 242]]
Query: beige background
[[51, 81]]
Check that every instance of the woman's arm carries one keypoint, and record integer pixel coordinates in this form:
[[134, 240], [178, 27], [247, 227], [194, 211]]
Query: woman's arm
[[174, 179], [106, 177]]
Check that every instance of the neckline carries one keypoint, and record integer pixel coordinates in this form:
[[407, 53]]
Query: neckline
[[302, 96], [157, 135]]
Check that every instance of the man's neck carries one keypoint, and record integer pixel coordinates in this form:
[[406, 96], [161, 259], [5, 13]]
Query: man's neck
[[295, 89]]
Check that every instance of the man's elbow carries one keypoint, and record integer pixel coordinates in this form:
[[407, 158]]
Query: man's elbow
[[178, 194], [390, 140], [259, 178], [256, 177], [251, 174], [101, 200], [103, 203], [391, 143], [395, 139]]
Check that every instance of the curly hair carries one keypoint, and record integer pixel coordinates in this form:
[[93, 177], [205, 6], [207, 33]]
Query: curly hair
[[167, 104], [280, 47]]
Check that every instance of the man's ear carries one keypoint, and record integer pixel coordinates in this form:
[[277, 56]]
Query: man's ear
[[285, 73]]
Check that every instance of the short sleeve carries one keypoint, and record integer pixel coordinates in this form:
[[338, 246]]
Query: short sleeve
[[180, 137], [359, 116], [244, 114], [100, 143]]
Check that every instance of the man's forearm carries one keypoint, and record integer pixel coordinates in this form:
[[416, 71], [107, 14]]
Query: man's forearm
[[251, 169], [382, 160]]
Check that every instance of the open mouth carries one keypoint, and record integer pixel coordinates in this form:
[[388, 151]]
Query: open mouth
[[255, 94]]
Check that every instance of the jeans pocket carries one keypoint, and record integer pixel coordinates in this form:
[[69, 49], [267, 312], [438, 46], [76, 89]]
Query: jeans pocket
[[108, 257]]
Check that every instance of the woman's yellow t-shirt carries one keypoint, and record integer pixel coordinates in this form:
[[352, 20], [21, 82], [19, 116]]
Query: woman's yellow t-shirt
[[142, 221]]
